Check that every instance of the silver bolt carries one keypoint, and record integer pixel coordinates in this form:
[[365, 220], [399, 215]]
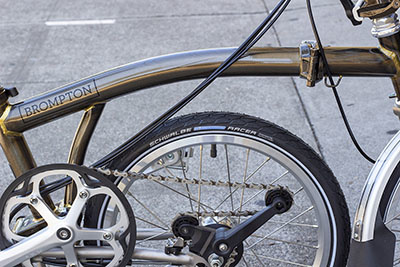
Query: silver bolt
[[223, 247], [64, 234], [215, 260], [107, 236], [33, 200], [83, 194], [170, 156], [72, 265], [355, 235]]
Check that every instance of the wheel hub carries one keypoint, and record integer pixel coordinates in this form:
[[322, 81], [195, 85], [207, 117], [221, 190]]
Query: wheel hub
[[64, 234]]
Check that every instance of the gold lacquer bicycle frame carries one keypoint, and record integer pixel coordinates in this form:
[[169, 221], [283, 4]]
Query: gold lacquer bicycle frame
[[91, 93]]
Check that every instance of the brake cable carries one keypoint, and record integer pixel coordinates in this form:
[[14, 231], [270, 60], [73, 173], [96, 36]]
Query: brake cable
[[235, 56], [333, 85]]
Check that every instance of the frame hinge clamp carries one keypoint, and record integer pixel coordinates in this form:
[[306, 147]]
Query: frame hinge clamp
[[378, 9], [310, 63]]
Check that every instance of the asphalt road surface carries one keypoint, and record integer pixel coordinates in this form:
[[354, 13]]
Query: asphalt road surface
[[45, 44]]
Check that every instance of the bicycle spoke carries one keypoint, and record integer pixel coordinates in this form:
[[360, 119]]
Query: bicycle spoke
[[244, 180], [255, 254], [258, 193], [281, 227], [258, 168], [246, 202], [287, 242], [282, 261], [200, 176], [280, 177], [245, 262], [394, 218], [298, 191], [151, 237], [229, 174], [247, 179], [146, 221], [146, 208], [187, 187], [295, 224], [204, 206]]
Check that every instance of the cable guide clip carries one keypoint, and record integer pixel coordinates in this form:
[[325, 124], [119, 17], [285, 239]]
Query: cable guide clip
[[310, 63]]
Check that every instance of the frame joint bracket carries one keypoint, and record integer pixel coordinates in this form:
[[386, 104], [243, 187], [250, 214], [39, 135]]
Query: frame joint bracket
[[310, 63]]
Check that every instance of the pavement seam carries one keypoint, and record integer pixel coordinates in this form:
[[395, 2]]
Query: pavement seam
[[296, 89], [36, 40]]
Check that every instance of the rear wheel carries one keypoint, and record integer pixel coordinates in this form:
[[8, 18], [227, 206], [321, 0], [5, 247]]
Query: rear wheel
[[227, 148]]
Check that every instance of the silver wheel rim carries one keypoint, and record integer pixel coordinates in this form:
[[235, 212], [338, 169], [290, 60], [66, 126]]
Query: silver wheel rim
[[326, 230]]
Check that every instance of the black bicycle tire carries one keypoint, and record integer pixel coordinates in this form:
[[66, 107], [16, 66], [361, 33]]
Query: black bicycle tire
[[279, 137]]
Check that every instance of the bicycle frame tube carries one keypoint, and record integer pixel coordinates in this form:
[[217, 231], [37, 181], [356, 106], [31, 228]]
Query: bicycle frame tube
[[102, 87]]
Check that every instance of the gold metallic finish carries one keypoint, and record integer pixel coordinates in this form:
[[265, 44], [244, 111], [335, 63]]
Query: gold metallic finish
[[18, 153], [3, 118], [266, 61], [81, 142], [396, 62], [83, 134], [393, 56]]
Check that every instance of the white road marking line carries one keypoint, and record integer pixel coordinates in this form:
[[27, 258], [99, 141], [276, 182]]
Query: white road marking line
[[79, 22]]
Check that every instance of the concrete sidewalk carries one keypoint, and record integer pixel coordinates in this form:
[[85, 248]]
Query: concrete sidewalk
[[36, 57]]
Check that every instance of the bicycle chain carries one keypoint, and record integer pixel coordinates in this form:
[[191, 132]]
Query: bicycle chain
[[243, 213], [171, 179]]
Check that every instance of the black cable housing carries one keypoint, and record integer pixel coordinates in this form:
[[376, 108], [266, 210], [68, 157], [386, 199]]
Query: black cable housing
[[239, 52], [331, 81]]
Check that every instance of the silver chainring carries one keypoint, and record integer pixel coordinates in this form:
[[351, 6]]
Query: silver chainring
[[34, 229]]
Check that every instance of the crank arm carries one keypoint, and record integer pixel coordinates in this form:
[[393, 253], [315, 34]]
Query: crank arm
[[29, 247], [227, 239]]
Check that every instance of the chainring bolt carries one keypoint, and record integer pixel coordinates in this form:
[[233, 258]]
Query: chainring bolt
[[72, 265], [185, 231], [107, 236], [223, 247], [34, 200], [84, 194]]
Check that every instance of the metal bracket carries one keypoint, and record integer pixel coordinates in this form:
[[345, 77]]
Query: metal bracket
[[310, 64], [378, 9]]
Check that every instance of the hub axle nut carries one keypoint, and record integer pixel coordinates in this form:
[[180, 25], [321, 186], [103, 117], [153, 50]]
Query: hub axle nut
[[64, 234], [223, 247]]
